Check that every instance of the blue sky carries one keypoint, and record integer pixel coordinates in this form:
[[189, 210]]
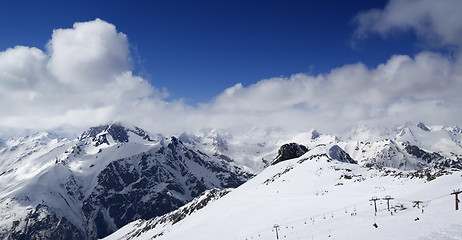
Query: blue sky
[[196, 49], [174, 66]]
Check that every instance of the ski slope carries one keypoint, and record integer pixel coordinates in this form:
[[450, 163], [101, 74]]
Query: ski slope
[[315, 197]]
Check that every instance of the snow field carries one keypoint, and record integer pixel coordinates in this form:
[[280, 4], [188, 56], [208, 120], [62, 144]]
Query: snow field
[[314, 192]]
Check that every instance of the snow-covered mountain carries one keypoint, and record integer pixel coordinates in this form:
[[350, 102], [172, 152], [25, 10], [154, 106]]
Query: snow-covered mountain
[[405, 147], [111, 175], [89, 187], [317, 196], [408, 147]]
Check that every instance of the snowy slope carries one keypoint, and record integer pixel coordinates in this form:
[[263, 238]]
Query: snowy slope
[[315, 197]]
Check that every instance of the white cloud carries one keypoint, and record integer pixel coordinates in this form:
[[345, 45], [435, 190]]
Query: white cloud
[[424, 88], [437, 23], [89, 54], [85, 78]]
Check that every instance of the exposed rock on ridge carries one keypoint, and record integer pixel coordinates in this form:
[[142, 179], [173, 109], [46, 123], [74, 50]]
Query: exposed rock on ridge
[[289, 151]]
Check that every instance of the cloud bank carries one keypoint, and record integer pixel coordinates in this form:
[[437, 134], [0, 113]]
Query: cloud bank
[[85, 78]]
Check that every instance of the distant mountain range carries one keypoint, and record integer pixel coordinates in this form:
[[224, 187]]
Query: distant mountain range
[[113, 175]]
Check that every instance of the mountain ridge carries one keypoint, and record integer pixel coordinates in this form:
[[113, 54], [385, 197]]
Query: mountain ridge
[[87, 181]]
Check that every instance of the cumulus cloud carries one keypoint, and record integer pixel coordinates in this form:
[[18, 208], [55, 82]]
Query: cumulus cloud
[[437, 23], [89, 54], [84, 78]]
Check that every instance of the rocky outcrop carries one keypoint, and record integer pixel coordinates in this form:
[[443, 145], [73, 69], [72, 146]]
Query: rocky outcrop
[[434, 159], [337, 153], [421, 154], [423, 127], [289, 151]]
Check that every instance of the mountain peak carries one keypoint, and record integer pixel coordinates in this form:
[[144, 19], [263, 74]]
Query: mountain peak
[[117, 131], [289, 151], [337, 153]]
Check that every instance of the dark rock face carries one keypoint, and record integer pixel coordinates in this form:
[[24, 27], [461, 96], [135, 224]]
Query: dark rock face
[[152, 184], [118, 133], [42, 224], [419, 153], [289, 151], [423, 127], [434, 159], [337, 153], [315, 134]]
